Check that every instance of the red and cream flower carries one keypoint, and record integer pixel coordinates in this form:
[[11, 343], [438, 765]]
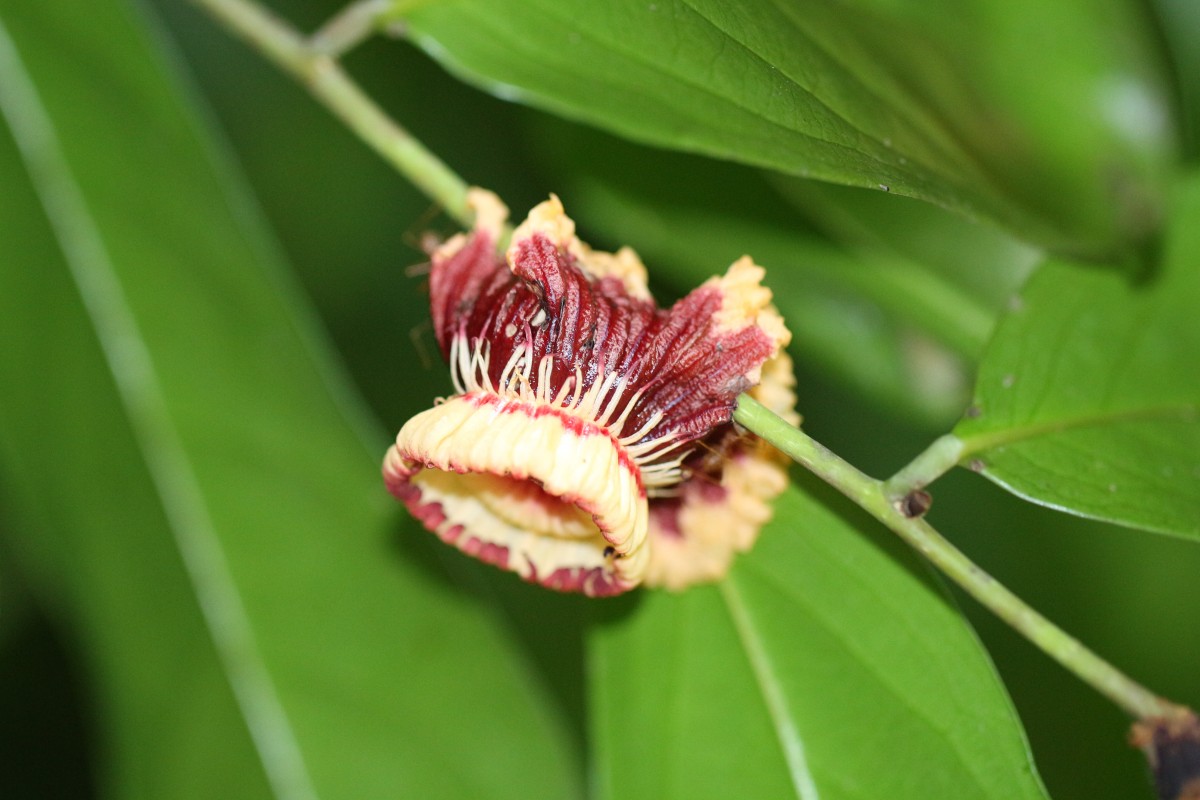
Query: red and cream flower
[[589, 445]]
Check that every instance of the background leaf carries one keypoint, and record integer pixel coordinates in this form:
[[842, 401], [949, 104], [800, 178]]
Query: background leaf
[[1088, 398], [834, 657], [917, 99], [123, 596], [1179, 21], [198, 499]]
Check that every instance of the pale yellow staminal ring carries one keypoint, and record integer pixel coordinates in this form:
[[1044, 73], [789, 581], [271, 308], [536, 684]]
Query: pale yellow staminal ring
[[463, 439]]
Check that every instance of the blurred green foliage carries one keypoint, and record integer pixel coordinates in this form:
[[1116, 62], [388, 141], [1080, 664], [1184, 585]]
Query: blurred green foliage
[[405, 668]]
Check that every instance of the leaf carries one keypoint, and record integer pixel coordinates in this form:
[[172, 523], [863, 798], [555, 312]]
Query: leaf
[[1088, 399], [828, 664], [1051, 118], [90, 531], [984, 265], [1179, 21], [191, 474]]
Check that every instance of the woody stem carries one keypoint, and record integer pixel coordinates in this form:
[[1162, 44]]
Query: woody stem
[[875, 498]]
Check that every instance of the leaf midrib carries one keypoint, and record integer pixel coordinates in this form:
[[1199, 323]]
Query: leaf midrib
[[975, 444], [790, 740]]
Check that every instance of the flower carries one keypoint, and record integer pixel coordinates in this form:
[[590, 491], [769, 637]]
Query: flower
[[589, 445]]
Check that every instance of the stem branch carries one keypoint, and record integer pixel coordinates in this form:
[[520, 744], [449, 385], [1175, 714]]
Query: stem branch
[[937, 459], [349, 27], [874, 497]]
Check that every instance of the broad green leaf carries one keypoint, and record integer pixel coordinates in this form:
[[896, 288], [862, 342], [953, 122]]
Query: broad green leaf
[[1051, 118], [196, 497], [79, 526], [1088, 399], [828, 664]]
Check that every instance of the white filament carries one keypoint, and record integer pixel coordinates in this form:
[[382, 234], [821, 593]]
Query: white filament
[[469, 371]]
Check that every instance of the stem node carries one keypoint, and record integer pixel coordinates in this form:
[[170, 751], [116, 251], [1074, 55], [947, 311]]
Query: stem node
[[937, 459]]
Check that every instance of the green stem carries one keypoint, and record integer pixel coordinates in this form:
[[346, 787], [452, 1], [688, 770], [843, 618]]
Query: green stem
[[873, 496], [350, 27], [313, 67], [937, 459]]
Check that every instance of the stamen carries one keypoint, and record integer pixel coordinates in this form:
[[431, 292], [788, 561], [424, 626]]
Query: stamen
[[641, 432], [671, 469], [562, 392], [654, 449], [483, 356], [614, 401], [524, 387], [578, 393], [584, 399], [591, 400], [527, 364], [578, 401], [455, 367], [507, 376], [629, 407], [662, 485], [545, 373]]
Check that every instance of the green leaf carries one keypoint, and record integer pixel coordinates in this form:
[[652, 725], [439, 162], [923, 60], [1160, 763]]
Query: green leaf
[[196, 497], [1088, 399], [1051, 118], [1179, 21], [828, 664], [977, 261], [90, 531]]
